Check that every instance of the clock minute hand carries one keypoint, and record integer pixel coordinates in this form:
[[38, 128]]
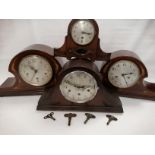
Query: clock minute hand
[[123, 75]]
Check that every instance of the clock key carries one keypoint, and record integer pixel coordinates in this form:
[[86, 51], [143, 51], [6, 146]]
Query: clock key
[[70, 115], [50, 116], [89, 116], [111, 118]]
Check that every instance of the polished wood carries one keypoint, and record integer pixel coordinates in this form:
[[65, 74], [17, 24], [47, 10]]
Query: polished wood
[[105, 100], [142, 89], [91, 51], [15, 86]]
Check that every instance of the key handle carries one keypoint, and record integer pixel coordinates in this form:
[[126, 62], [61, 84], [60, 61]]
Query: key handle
[[89, 116], [69, 116], [50, 116], [111, 118]]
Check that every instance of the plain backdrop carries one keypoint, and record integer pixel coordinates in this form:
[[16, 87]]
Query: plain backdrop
[[18, 115]]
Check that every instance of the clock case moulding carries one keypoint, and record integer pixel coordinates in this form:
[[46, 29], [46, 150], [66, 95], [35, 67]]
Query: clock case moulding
[[106, 100], [142, 89], [15, 86]]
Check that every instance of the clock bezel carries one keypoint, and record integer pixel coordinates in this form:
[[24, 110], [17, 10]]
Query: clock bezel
[[45, 59], [16, 61], [125, 59], [94, 24], [87, 72]]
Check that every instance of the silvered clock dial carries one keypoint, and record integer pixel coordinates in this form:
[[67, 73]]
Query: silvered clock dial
[[83, 32], [35, 70], [124, 74], [79, 87]]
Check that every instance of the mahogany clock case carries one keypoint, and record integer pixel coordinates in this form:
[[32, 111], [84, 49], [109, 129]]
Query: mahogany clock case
[[142, 89], [91, 51], [15, 86], [105, 100]]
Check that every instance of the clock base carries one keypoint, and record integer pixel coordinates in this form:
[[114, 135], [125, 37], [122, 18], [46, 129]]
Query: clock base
[[8, 88], [105, 101], [117, 109]]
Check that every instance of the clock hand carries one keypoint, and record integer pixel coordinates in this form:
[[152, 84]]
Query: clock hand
[[83, 32], [127, 74], [77, 86], [124, 79], [35, 70]]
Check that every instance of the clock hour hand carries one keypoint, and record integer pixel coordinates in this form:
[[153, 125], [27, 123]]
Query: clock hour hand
[[77, 86], [35, 70], [83, 32], [127, 74]]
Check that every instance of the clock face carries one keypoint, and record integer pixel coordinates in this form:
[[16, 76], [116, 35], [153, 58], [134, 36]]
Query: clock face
[[83, 32], [124, 74], [35, 70], [79, 87]]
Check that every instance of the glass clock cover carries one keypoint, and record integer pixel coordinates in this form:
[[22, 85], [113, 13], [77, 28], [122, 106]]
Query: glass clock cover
[[79, 87], [35, 70], [124, 74], [83, 32]]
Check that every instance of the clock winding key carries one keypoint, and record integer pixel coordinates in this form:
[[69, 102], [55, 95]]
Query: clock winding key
[[70, 115], [50, 116], [111, 118], [89, 116]]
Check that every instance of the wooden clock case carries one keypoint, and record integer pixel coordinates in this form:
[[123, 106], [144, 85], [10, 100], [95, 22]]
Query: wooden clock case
[[142, 89], [15, 86], [105, 99]]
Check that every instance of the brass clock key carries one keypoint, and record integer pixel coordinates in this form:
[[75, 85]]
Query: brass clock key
[[89, 116], [70, 115], [50, 116], [111, 118]]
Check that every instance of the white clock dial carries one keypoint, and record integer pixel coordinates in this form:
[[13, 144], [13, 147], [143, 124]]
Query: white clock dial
[[35, 70], [83, 32], [124, 74], [79, 87]]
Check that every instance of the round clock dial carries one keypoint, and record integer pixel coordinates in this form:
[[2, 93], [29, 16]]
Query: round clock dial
[[83, 32], [79, 87], [35, 70], [123, 74]]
